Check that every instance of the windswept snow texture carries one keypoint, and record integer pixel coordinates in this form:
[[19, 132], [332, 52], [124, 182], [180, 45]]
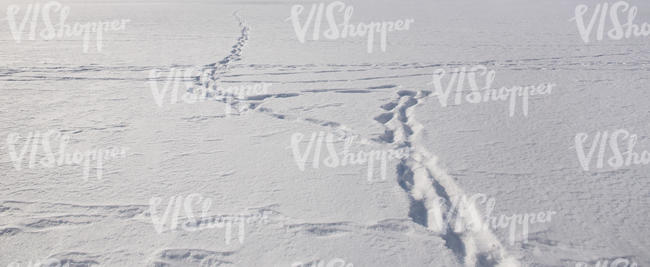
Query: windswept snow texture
[[252, 162]]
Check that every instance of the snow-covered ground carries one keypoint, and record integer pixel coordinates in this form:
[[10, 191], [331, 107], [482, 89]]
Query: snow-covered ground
[[328, 152]]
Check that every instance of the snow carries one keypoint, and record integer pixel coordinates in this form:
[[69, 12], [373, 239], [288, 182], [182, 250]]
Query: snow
[[225, 180]]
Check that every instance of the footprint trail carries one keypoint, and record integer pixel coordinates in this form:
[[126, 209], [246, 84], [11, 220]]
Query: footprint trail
[[429, 185]]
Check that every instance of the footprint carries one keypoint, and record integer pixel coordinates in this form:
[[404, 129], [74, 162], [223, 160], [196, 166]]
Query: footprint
[[384, 118], [389, 106]]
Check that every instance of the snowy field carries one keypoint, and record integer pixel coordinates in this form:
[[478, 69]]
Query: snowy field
[[330, 134]]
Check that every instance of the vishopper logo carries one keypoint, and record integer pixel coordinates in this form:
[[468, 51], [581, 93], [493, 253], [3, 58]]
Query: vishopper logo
[[617, 29], [170, 218], [601, 141], [336, 262], [472, 75], [198, 86], [51, 30], [345, 156], [343, 29], [618, 262], [50, 262], [50, 159], [461, 215]]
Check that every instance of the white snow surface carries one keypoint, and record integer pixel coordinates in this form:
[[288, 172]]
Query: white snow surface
[[244, 162]]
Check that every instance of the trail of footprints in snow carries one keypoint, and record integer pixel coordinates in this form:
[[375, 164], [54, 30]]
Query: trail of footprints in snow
[[220, 68], [427, 183], [419, 175]]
